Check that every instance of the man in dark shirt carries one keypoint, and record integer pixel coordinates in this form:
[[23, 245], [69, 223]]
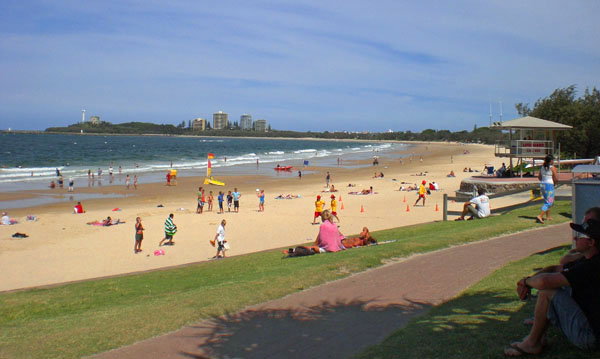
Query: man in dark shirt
[[568, 297]]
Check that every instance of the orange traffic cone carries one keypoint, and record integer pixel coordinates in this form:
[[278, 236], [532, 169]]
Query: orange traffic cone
[[362, 209], [437, 209], [342, 205], [340, 198], [404, 199], [407, 208]]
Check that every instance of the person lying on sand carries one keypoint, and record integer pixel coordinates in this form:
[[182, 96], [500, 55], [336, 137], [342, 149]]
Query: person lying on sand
[[287, 196], [6, 220], [330, 189]]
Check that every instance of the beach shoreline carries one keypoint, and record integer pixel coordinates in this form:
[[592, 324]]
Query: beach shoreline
[[62, 248]]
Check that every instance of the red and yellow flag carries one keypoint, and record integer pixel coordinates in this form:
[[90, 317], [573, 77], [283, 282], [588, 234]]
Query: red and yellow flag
[[211, 156]]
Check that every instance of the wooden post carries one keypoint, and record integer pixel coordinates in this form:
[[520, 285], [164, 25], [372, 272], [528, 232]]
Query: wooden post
[[445, 209]]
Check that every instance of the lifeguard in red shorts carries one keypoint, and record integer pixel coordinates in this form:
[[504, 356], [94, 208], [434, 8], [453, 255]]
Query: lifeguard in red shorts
[[319, 204], [334, 208]]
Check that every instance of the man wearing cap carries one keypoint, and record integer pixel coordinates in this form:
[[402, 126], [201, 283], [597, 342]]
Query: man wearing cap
[[319, 204], [568, 297], [334, 208], [478, 207], [422, 192]]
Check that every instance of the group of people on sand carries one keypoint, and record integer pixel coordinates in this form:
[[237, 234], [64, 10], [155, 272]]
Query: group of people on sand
[[232, 198], [330, 239], [378, 175]]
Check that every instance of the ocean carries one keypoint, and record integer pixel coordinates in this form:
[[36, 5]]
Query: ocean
[[31, 161]]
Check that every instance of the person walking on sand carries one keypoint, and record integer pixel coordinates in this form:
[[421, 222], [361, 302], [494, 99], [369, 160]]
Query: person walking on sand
[[139, 235], [71, 184], [170, 230], [422, 192], [334, 208], [261, 200], [220, 239], [134, 181], [236, 200], [319, 204], [547, 177], [127, 181], [327, 179]]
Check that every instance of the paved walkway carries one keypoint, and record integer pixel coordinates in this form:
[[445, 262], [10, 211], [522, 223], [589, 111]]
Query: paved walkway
[[323, 322]]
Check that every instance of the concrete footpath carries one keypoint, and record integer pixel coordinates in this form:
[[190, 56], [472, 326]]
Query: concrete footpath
[[340, 318]]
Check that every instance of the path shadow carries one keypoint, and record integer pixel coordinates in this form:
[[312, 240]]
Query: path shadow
[[327, 330]]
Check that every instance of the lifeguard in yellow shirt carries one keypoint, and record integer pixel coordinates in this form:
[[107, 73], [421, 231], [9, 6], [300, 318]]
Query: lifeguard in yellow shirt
[[334, 208], [319, 204], [422, 192]]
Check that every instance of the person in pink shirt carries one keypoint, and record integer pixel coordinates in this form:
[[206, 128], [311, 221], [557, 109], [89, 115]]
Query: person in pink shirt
[[329, 238]]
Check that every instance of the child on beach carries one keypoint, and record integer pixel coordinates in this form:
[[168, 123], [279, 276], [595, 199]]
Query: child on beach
[[220, 198], [127, 181], [210, 201], [229, 201], [261, 200], [319, 204]]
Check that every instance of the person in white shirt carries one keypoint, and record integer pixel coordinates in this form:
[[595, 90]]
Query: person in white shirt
[[478, 207], [220, 239]]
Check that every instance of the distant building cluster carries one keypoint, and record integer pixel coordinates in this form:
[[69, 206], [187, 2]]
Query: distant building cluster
[[220, 121]]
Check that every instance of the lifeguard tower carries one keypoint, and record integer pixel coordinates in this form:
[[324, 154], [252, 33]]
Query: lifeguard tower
[[528, 138]]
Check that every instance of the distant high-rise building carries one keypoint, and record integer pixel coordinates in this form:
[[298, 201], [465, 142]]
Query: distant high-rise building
[[199, 124], [220, 120], [246, 122], [260, 126]]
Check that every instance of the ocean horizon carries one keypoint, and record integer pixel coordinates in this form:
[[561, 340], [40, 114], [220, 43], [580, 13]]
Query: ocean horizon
[[31, 161]]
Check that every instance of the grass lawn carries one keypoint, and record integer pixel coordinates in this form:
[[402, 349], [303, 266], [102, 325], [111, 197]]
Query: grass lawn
[[479, 323], [94, 316]]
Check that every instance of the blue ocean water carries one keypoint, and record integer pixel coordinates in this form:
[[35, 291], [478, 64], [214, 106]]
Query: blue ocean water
[[31, 160]]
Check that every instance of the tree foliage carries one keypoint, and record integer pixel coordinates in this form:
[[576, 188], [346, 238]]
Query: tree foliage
[[582, 113]]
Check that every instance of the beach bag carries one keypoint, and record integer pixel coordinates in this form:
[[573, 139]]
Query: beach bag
[[301, 252], [225, 246]]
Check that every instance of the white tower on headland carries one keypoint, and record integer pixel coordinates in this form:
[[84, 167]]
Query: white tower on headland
[[82, 116]]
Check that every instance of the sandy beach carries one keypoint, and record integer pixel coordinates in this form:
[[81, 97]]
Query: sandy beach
[[61, 247]]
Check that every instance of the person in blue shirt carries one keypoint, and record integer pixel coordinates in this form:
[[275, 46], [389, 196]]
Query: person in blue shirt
[[236, 200], [221, 198]]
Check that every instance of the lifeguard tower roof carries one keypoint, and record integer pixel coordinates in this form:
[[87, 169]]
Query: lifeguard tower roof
[[531, 123]]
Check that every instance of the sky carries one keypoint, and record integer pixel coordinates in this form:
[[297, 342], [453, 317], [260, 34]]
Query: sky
[[301, 65]]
